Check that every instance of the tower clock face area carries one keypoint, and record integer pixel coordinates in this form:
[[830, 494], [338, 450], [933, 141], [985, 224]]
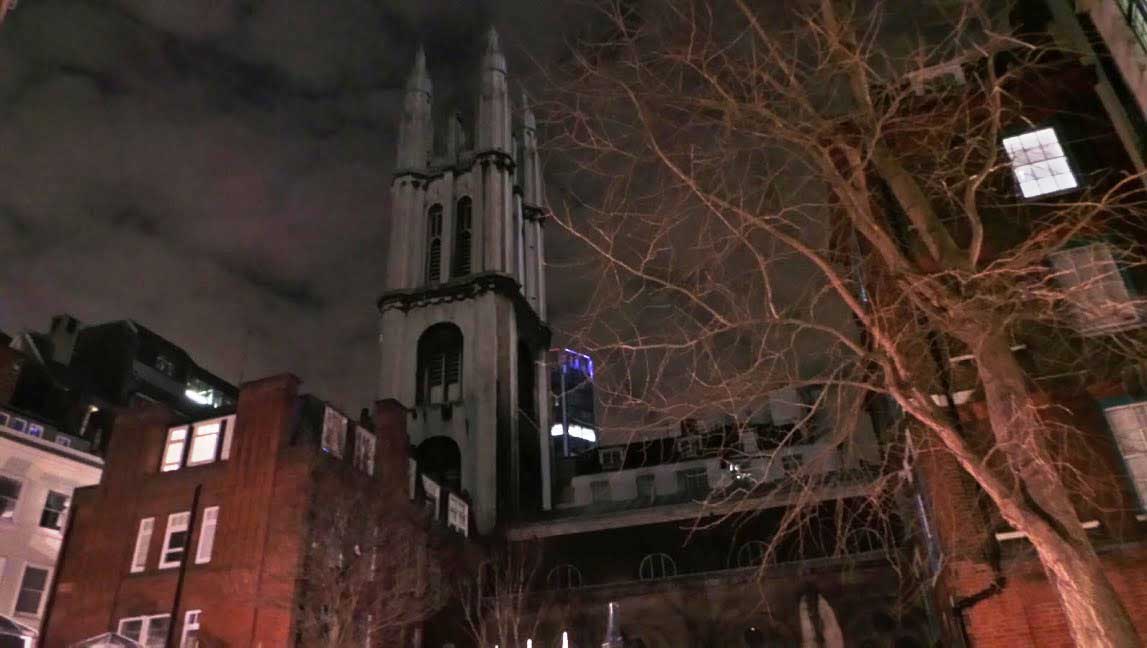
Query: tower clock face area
[[462, 318]]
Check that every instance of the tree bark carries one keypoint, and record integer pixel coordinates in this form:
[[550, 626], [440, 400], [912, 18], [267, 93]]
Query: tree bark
[[1039, 505]]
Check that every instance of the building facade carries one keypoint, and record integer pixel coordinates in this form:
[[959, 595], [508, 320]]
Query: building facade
[[77, 376], [462, 321], [239, 529], [40, 469]]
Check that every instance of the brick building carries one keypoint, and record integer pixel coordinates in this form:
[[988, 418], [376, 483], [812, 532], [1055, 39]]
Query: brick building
[[220, 529], [990, 589]]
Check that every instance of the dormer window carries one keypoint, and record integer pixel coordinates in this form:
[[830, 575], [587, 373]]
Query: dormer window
[[611, 458]]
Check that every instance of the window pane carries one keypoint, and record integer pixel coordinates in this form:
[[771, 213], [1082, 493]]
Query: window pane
[[53, 514], [9, 495], [204, 443], [131, 628], [32, 590], [157, 631]]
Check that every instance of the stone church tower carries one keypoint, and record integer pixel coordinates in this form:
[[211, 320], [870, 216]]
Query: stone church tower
[[463, 330]]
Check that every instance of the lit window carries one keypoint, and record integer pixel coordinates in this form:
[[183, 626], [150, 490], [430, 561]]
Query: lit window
[[63, 440], [52, 516], [210, 441], [1129, 426], [1039, 163], [142, 542], [149, 631], [174, 540], [656, 566], [190, 636], [206, 542], [9, 495], [564, 577], [32, 588], [1097, 297], [36, 430], [205, 442], [599, 490], [173, 449], [364, 445]]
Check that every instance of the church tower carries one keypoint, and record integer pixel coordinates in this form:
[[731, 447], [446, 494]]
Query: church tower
[[463, 332]]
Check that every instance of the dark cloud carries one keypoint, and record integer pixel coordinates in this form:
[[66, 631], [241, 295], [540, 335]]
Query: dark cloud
[[219, 169]]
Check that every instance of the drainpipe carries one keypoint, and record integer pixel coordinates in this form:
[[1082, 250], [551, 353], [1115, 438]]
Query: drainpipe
[[999, 581], [177, 598]]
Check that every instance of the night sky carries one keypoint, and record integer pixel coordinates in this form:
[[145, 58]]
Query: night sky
[[218, 169]]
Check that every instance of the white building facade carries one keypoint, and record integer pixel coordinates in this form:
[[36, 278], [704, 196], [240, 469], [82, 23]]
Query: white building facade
[[39, 470]]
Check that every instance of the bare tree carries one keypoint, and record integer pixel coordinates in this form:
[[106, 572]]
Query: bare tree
[[503, 603], [370, 575], [782, 194]]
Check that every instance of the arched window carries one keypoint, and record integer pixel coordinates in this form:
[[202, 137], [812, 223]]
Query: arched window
[[434, 244], [656, 566], [440, 459], [564, 576], [462, 229], [439, 365], [751, 554]]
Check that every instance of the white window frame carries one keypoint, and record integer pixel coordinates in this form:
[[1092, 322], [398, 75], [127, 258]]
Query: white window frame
[[1103, 302], [657, 566], [142, 544], [176, 522], [600, 492], [167, 463], [564, 576], [1134, 458], [213, 440], [205, 545], [189, 623], [1039, 164], [616, 458], [145, 626], [35, 429], [62, 519], [7, 513], [43, 593]]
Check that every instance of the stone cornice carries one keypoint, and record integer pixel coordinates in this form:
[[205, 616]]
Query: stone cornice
[[467, 288]]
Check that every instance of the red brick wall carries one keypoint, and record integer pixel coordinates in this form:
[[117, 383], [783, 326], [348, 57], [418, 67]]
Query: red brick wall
[[246, 592], [1026, 611]]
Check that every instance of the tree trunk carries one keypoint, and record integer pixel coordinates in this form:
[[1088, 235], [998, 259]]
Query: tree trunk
[[1038, 503]]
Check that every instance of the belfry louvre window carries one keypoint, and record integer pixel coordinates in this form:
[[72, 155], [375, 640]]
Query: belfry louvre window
[[440, 365], [1039, 163], [462, 235], [434, 244], [1097, 297]]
